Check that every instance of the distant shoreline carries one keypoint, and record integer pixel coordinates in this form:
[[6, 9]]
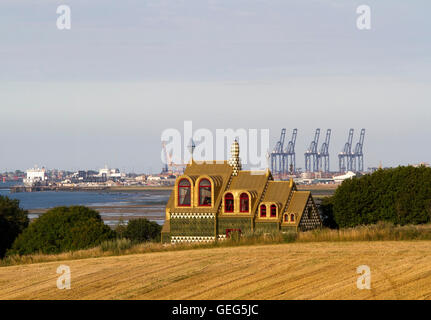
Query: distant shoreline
[[139, 188], [19, 189]]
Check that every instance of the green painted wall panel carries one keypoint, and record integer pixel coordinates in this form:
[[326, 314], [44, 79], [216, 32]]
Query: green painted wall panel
[[267, 226], [245, 224], [192, 227], [288, 228]]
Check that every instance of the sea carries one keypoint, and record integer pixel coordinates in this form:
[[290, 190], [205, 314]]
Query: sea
[[112, 206]]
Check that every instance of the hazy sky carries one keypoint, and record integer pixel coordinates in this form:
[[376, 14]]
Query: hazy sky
[[103, 92]]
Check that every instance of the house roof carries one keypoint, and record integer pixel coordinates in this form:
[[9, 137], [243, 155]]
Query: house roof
[[297, 203], [252, 181], [249, 180], [208, 168], [277, 191], [219, 171]]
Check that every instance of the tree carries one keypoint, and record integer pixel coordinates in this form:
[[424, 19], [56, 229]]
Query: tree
[[141, 230], [400, 195], [327, 209], [63, 229], [13, 220], [121, 228]]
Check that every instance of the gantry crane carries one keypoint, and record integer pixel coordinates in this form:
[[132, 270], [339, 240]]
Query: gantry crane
[[323, 155], [278, 155], [290, 153], [311, 154], [169, 166], [345, 156], [358, 155]]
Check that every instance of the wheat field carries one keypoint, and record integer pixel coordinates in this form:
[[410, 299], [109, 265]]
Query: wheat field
[[323, 270]]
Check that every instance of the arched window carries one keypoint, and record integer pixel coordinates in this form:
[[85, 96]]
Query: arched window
[[286, 217], [228, 202], [244, 202], [263, 210], [184, 193], [205, 192], [292, 217], [273, 210]]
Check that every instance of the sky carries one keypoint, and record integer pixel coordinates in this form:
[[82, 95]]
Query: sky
[[105, 90]]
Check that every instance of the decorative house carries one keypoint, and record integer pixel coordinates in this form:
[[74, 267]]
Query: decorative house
[[211, 200]]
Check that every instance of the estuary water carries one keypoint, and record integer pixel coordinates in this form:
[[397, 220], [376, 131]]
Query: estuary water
[[112, 206]]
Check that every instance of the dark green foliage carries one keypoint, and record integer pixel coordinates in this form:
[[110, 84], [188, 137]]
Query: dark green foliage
[[327, 209], [401, 195], [290, 236], [141, 230], [13, 220], [63, 229], [120, 229]]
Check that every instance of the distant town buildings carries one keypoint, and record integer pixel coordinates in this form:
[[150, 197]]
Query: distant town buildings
[[105, 177], [421, 164], [114, 177]]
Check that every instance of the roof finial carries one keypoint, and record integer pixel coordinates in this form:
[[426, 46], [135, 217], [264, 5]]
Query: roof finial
[[191, 147], [268, 156]]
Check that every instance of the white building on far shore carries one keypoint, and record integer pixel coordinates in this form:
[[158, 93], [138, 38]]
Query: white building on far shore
[[35, 176], [110, 173], [347, 175]]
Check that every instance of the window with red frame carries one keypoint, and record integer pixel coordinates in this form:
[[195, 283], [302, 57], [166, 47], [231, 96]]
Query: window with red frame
[[228, 202], [286, 218], [292, 217], [205, 192], [263, 210], [184, 193], [273, 210], [244, 202]]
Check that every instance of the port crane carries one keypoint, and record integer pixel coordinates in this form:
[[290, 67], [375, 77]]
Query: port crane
[[290, 153], [323, 155], [311, 155], [278, 156], [169, 166], [358, 155], [345, 156]]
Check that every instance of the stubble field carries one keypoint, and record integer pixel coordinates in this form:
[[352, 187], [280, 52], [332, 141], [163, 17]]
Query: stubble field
[[324, 270]]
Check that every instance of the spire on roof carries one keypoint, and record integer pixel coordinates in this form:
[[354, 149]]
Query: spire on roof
[[235, 161], [191, 148]]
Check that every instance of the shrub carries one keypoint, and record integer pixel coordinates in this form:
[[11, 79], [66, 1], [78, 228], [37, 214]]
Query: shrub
[[116, 246], [63, 229], [327, 209], [400, 195], [141, 230], [13, 220], [120, 228], [290, 236]]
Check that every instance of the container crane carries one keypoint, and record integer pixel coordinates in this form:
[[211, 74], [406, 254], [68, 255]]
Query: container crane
[[358, 155], [169, 166], [345, 156], [311, 155], [278, 156], [290, 153], [323, 156]]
